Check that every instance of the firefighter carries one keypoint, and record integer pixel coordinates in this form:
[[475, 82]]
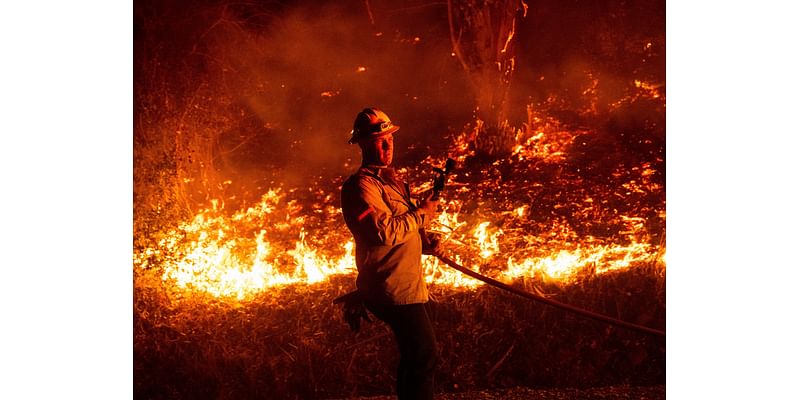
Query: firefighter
[[387, 225]]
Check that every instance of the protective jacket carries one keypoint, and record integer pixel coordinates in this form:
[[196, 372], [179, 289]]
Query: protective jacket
[[385, 223]]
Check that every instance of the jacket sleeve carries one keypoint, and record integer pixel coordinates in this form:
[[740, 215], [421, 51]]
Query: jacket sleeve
[[370, 218]]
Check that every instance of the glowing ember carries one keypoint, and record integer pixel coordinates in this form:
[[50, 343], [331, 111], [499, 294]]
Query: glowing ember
[[650, 88], [240, 254]]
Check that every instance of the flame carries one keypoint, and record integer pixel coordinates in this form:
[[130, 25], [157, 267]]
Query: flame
[[487, 243], [437, 273], [317, 268], [237, 255], [213, 253], [567, 263]]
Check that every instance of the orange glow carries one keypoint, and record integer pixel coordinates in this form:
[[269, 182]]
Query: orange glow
[[211, 254], [649, 88], [487, 243], [279, 241]]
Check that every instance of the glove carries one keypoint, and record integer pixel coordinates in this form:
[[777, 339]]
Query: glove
[[353, 310], [353, 314], [431, 244]]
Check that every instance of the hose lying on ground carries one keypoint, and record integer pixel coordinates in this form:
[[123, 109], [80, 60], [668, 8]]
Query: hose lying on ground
[[554, 303]]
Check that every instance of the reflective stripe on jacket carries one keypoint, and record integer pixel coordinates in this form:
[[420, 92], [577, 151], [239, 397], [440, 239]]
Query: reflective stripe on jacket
[[385, 224]]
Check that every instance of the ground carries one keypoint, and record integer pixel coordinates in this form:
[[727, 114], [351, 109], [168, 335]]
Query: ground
[[520, 393]]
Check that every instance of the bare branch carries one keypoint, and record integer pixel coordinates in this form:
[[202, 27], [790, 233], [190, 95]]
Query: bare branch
[[369, 12], [455, 41]]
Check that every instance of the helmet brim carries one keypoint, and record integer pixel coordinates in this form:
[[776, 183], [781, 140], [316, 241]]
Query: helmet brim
[[373, 135]]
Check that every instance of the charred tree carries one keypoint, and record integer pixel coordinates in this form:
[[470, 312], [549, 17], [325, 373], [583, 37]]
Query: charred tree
[[482, 35]]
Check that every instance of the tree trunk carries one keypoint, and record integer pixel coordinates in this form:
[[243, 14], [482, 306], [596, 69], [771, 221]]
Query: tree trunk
[[482, 33]]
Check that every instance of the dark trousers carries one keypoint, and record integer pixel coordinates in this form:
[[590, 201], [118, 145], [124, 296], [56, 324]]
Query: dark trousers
[[416, 341]]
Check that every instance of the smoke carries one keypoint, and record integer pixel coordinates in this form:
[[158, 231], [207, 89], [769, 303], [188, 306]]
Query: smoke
[[284, 81], [305, 74], [562, 49]]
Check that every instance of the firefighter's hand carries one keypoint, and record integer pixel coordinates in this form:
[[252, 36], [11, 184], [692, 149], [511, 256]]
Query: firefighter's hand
[[353, 314], [432, 246], [428, 206]]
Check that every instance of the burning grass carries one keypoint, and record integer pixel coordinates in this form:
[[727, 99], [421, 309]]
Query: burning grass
[[238, 303], [291, 342]]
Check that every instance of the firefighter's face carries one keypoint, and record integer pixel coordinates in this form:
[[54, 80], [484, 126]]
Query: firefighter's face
[[379, 151]]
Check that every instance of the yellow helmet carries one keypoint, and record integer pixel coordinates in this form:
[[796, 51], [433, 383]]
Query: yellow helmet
[[371, 123]]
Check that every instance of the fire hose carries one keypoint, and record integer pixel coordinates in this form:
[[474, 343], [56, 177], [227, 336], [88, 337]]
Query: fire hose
[[554, 303], [354, 310], [438, 187]]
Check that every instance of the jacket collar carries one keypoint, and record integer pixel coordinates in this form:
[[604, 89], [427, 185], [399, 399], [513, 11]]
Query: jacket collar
[[376, 171], [379, 172]]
